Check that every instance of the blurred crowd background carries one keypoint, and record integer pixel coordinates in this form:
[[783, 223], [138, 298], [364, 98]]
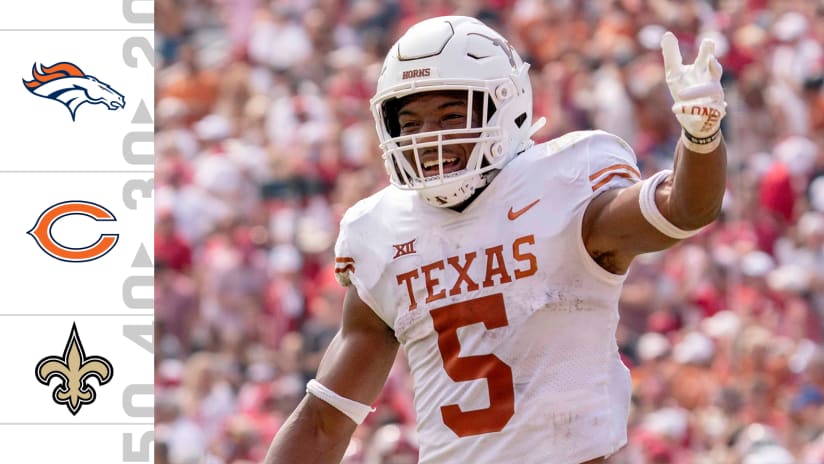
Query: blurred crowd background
[[264, 138]]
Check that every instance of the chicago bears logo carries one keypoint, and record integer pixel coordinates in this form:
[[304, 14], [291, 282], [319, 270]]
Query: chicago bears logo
[[42, 231], [68, 84]]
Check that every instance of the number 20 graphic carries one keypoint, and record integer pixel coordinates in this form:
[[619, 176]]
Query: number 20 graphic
[[447, 320]]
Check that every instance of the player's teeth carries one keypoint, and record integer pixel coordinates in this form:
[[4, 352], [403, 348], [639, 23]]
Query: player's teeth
[[434, 162]]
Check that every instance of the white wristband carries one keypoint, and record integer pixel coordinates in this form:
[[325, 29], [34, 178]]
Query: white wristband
[[353, 409], [653, 215]]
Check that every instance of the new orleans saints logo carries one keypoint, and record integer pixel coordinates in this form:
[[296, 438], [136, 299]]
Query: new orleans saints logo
[[74, 370]]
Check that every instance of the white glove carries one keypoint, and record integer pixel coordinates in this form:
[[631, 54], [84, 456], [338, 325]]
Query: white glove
[[697, 92]]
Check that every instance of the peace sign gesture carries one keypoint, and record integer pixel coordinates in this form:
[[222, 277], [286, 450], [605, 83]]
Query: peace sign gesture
[[697, 93]]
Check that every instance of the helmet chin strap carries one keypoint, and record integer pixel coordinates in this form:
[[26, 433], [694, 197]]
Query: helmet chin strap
[[455, 197], [447, 196], [488, 176]]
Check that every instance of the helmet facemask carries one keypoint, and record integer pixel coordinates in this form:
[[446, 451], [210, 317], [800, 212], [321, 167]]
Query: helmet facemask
[[456, 54], [405, 155]]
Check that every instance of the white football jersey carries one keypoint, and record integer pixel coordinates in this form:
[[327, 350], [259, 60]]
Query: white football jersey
[[507, 322]]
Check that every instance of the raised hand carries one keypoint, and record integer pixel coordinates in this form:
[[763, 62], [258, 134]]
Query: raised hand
[[697, 93]]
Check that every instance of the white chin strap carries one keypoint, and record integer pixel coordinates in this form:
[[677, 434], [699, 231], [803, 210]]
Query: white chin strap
[[448, 195]]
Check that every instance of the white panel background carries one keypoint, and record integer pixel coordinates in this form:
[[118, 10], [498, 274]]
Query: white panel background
[[40, 133], [33, 280], [47, 336], [42, 296], [68, 14], [98, 444]]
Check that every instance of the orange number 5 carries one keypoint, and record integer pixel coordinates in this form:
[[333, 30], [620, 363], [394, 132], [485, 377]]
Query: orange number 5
[[447, 319]]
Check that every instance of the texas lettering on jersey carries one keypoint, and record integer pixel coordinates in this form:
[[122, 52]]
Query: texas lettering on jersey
[[469, 279]]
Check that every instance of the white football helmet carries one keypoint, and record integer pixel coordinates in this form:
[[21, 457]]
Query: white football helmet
[[455, 53]]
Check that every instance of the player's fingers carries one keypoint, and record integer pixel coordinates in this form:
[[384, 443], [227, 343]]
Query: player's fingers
[[707, 51], [715, 69], [709, 89], [672, 55]]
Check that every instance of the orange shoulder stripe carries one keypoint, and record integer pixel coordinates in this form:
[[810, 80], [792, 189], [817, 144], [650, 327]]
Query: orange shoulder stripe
[[606, 179], [615, 167]]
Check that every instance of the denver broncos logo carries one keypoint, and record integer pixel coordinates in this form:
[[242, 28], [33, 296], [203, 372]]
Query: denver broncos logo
[[68, 84]]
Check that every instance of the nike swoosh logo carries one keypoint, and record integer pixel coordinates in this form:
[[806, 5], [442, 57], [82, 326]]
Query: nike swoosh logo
[[512, 215]]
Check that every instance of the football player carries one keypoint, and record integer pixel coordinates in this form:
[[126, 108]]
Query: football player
[[497, 264]]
